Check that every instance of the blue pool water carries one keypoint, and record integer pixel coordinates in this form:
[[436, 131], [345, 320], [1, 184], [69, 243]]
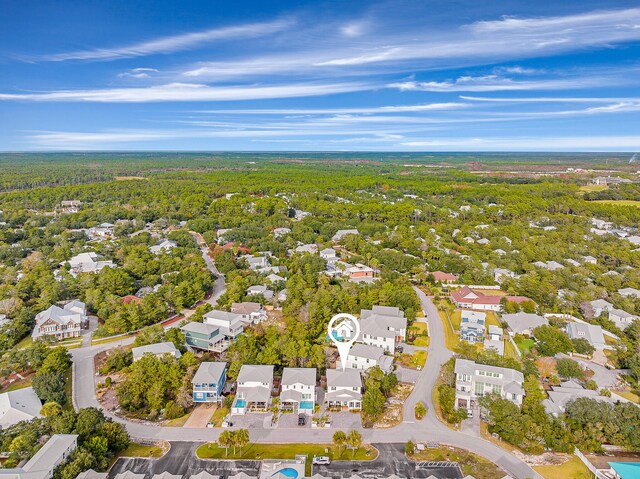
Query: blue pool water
[[287, 472], [306, 405], [240, 403]]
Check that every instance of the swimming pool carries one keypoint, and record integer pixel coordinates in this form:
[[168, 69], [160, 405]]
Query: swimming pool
[[240, 403], [287, 472], [306, 405]]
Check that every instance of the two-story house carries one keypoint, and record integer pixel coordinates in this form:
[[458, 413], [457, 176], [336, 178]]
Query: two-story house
[[61, 322], [208, 381], [230, 326], [250, 312], [472, 325], [298, 390], [474, 381], [156, 349], [364, 356], [344, 389], [254, 386], [383, 326]]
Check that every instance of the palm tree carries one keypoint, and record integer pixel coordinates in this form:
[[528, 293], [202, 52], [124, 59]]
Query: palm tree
[[225, 440], [354, 441], [241, 439], [339, 439]]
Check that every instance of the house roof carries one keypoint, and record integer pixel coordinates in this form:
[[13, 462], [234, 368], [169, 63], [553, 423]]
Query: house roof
[[520, 322], [246, 307], [366, 351], [209, 372], [442, 276], [18, 405], [256, 373], [591, 332], [166, 347], [347, 378], [91, 474], [306, 376], [50, 453], [200, 328], [510, 378]]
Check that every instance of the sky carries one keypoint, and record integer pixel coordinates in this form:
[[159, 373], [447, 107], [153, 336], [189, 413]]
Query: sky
[[424, 75]]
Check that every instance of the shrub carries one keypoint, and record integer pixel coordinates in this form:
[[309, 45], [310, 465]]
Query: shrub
[[173, 411]]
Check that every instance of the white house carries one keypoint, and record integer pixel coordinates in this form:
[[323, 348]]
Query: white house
[[600, 306], [329, 254], [344, 389], [629, 292], [340, 234], [254, 385], [164, 245], [474, 381], [364, 356], [156, 349], [61, 322], [621, 318], [43, 463], [260, 290], [523, 323], [230, 325], [383, 326], [298, 390], [87, 263], [590, 332], [250, 312], [18, 405]]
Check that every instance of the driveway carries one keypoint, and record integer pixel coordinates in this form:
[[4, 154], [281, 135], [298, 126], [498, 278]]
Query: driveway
[[200, 415]]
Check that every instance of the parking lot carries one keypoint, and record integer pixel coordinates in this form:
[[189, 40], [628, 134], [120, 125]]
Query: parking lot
[[182, 461]]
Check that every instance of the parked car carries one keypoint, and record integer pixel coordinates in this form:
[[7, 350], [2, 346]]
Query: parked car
[[321, 460], [211, 424], [227, 423], [302, 419]]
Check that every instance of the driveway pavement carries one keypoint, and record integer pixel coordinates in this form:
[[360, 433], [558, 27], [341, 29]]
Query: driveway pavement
[[200, 415]]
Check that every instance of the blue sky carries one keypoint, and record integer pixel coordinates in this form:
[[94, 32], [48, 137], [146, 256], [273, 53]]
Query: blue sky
[[450, 75]]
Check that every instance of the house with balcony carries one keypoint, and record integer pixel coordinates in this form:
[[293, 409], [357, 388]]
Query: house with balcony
[[364, 356], [298, 393], [474, 381], [472, 325], [230, 326], [253, 391], [383, 326], [208, 381], [250, 312], [63, 322], [344, 389]]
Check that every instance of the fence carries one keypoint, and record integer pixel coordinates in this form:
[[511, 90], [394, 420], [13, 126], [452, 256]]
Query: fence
[[596, 472]]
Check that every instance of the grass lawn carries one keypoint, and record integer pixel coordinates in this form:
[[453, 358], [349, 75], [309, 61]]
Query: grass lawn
[[20, 384], [218, 416], [109, 339], [179, 422], [25, 343], [68, 389], [142, 450], [573, 468], [418, 358], [471, 464], [593, 187], [288, 451], [525, 345], [509, 350], [421, 341], [451, 339], [620, 202], [633, 396], [419, 327], [492, 319]]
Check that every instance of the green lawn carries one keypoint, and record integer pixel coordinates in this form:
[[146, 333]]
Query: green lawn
[[142, 450], [525, 345], [510, 350], [68, 389], [218, 416], [451, 339], [109, 339], [633, 396], [25, 343], [179, 421], [492, 319], [418, 327], [471, 464], [421, 341], [573, 469], [288, 451], [620, 202]]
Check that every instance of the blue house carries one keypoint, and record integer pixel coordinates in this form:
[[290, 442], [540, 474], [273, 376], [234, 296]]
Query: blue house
[[209, 381], [472, 326]]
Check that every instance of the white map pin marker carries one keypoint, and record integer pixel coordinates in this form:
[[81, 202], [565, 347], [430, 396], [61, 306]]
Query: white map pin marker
[[343, 334]]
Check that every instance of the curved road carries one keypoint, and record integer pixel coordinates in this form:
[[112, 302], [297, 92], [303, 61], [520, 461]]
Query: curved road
[[430, 429]]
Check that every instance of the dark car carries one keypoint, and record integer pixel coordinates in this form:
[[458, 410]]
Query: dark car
[[302, 419]]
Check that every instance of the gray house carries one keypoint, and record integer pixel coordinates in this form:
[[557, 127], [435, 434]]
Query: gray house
[[474, 381]]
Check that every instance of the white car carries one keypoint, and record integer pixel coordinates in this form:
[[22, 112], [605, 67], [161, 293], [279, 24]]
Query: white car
[[321, 460]]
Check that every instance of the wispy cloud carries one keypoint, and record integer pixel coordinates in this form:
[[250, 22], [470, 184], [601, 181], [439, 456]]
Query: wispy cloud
[[174, 43], [498, 83], [338, 111], [138, 73], [188, 92]]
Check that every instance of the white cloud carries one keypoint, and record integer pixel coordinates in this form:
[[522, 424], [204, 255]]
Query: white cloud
[[498, 83], [188, 92], [138, 73], [174, 43], [336, 111]]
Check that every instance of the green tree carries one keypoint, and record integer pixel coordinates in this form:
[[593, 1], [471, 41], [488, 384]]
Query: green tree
[[568, 368], [51, 409], [339, 440], [354, 441], [50, 387], [226, 440]]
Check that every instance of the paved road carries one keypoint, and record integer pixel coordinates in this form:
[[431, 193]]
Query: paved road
[[430, 429]]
